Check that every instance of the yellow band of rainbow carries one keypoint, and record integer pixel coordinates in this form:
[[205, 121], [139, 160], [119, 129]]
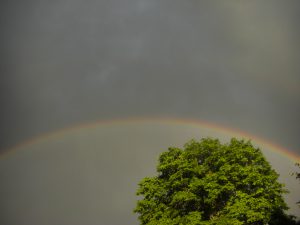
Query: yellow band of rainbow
[[167, 120]]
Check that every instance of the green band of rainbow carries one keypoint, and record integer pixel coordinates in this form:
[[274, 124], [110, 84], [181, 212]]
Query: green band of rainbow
[[167, 120]]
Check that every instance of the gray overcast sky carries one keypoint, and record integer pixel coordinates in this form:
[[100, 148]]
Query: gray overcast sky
[[66, 62], [89, 176]]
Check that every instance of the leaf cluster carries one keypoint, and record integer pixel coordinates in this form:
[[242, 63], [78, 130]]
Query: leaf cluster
[[209, 183], [297, 175]]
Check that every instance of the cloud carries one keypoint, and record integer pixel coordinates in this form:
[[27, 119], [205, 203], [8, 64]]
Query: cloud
[[76, 61]]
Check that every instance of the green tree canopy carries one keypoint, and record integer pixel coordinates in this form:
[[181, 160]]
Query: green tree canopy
[[208, 182]]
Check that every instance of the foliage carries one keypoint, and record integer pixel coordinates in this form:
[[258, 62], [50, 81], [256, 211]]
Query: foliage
[[297, 174], [208, 183]]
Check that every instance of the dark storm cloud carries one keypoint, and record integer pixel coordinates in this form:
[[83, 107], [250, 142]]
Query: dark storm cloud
[[66, 62]]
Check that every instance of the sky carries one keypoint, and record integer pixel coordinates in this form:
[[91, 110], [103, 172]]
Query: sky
[[90, 175], [69, 62]]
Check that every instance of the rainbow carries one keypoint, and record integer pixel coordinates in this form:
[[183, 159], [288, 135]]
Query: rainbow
[[167, 120]]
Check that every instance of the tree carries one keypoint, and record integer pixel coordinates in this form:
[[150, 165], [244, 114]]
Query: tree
[[297, 175], [209, 183]]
